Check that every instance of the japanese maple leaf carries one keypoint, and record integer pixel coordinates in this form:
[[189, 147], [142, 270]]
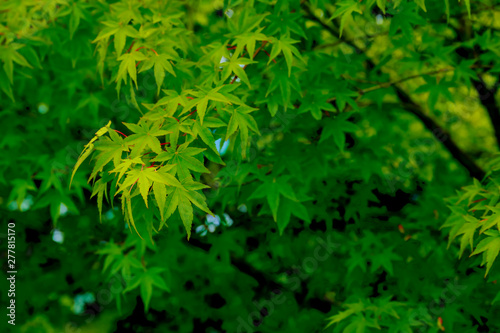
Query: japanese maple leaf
[[345, 8], [405, 17], [110, 149], [128, 66], [285, 23], [146, 281], [161, 64], [385, 259], [436, 89], [183, 159], [337, 128], [285, 45], [491, 246], [315, 103], [202, 98], [271, 189], [240, 119], [145, 134], [285, 83], [120, 32], [173, 100], [235, 65], [182, 199], [248, 40]]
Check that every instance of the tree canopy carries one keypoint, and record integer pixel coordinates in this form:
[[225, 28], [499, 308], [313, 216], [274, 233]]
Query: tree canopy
[[251, 166]]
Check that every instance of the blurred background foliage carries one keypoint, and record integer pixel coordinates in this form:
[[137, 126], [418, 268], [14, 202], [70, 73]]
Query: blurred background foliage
[[370, 176]]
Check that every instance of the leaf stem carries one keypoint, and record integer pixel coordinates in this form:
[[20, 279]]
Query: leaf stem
[[131, 45], [120, 133]]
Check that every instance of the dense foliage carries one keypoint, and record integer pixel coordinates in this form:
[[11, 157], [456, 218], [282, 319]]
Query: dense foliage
[[251, 166]]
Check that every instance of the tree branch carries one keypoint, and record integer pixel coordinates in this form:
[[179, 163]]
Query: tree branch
[[487, 98], [441, 134], [392, 83]]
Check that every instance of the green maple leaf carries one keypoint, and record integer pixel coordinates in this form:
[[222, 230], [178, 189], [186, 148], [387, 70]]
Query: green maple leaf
[[353, 308], [491, 246], [463, 71], [213, 56], [78, 11], [161, 64], [288, 207], [160, 192], [337, 128], [470, 192], [285, 45], [359, 202], [176, 127], [124, 264], [455, 221], [315, 103], [205, 134], [49, 179], [99, 188], [467, 4], [385, 306], [146, 281], [361, 324], [183, 159], [92, 102], [242, 120], [111, 28], [145, 177], [120, 32], [285, 22], [202, 98], [111, 149], [5, 85], [492, 220], [182, 199], [404, 17], [385, 259], [112, 253], [167, 105], [235, 65], [208, 138], [128, 11], [345, 9], [171, 101], [19, 189], [128, 67], [248, 40], [467, 230], [125, 166], [248, 20], [271, 189], [381, 4], [127, 210], [343, 95], [9, 56], [436, 89], [285, 83], [53, 199], [88, 149], [145, 134]]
